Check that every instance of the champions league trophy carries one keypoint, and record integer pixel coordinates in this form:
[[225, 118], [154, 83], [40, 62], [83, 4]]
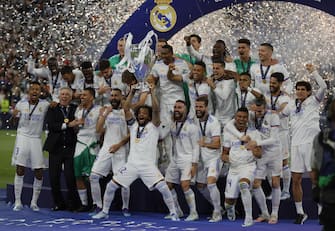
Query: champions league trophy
[[139, 58]]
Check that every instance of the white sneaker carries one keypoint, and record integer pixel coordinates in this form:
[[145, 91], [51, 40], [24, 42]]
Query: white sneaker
[[192, 217], [216, 217], [247, 222], [174, 217], [179, 214], [34, 207], [17, 207], [285, 196], [100, 215], [231, 214]]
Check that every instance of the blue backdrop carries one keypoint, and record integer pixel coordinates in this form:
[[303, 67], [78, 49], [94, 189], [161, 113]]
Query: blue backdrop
[[167, 17]]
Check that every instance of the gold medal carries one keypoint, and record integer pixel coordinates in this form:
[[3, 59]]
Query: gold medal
[[137, 140], [66, 120], [264, 81]]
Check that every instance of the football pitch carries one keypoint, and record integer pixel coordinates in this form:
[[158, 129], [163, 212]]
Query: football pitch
[[7, 171]]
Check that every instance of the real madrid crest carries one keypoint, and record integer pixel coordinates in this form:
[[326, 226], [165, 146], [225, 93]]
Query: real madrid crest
[[163, 17]]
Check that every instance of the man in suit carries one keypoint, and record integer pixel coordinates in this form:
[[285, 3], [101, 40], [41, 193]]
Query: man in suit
[[60, 144]]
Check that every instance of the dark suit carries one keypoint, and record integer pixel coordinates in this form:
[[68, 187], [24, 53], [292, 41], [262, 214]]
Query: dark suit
[[60, 144]]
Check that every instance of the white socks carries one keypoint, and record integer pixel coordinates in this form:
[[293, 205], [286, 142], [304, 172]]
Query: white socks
[[246, 199], [260, 198], [109, 196], [167, 196], [190, 199], [125, 194], [37, 186], [286, 178], [83, 196], [95, 189], [18, 184], [275, 201], [215, 196], [298, 207]]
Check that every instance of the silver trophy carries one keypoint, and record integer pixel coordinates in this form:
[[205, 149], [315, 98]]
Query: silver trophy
[[139, 58]]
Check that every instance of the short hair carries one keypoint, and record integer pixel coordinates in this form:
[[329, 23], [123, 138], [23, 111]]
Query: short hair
[[146, 107], [86, 65], [52, 59], [90, 90], [181, 101], [66, 88], [278, 76], [218, 60], [163, 40], [305, 84], [247, 74], [267, 45], [242, 109], [104, 64], [66, 70], [127, 77], [117, 89], [196, 36], [221, 42], [203, 98], [260, 102], [35, 83], [169, 47], [244, 41], [200, 63]]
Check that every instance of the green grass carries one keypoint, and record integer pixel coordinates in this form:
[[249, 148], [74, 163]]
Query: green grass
[[7, 171]]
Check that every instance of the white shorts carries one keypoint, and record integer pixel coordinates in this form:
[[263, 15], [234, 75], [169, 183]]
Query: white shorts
[[127, 174], [210, 169], [284, 137], [266, 165], [178, 172], [28, 152], [233, 179], [301, 158], [106, 161]]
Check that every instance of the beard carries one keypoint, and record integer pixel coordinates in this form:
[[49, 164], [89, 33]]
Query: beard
[[115, 103], [199, 114], [177, 116]]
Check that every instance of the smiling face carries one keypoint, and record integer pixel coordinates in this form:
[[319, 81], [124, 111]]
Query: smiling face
[[143, 116], [274, 85], [86, 98], [241, 120], [65, 96], [198, 73], [200, 109], [264, 53], [34, 92], [115, 99], [179, 111]]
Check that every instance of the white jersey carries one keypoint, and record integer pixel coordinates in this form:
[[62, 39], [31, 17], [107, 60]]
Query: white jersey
[[262, 81], [88, 131], [274, 103], [268, 126], [55, 82], [199, 89], [305, 116], [170, 90], [245, 99], [238, 154], [224, 100], [143, 144], [115, 130], [210, 128], [31, 117], [185, 138], [208, 61]]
